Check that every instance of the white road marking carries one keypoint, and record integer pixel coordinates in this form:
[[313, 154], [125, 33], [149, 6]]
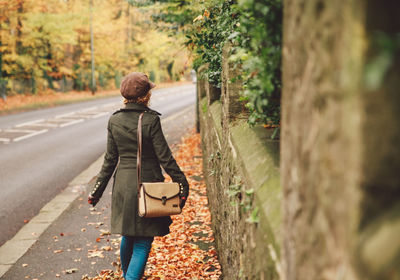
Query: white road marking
[[60, 120], [19, 130], [87, 115], [29, 123], [29, 135], [57, 121], [64, 115], [100, 115], [88, 109], [71, 123], [111, 104], [81, 115], [45, 124]]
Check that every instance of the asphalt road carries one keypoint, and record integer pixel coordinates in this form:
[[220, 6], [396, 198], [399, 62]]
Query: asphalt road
[[70, 241], [42, 151]]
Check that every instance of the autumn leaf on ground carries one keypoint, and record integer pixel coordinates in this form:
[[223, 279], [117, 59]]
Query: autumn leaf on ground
[[106, 248], [104, 232], [178, 254], [71, 270], [95, 254]]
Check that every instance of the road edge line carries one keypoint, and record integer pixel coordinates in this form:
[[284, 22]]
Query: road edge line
[[16, 247]]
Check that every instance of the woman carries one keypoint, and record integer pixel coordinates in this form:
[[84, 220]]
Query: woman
[[137, 232]]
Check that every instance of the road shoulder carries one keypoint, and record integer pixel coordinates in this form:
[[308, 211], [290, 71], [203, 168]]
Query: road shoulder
[[15, 248]]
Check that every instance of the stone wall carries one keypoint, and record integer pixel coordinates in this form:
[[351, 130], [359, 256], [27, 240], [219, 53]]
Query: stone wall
[[339, 158], [340, 132], [241, 167]]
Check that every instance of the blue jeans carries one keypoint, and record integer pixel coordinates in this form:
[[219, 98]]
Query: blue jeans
[[134, 253]]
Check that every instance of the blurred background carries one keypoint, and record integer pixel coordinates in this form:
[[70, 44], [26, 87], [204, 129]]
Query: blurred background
[[46, 45], [297, 102]]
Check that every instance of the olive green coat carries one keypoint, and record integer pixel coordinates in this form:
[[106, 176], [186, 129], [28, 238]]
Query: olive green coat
[[121, 153]]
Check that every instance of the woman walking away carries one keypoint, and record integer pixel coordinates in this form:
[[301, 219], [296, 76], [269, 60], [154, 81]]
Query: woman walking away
[[137, 232]]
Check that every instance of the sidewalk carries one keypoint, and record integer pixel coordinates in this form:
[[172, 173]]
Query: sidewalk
[[78, 242], [188, 251]]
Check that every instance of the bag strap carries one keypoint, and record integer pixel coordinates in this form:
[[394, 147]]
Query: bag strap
[[139, 151]]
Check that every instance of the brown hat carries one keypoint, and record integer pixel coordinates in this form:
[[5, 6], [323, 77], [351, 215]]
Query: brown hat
[[135, 84]]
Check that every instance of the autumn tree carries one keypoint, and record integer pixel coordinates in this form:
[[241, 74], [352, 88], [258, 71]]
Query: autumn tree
[[46, 44]]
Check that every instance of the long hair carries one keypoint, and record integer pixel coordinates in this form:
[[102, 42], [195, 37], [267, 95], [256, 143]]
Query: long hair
[[144, 99]]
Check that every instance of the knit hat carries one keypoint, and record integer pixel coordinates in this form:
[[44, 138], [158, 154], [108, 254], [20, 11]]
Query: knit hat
[[135, 84]]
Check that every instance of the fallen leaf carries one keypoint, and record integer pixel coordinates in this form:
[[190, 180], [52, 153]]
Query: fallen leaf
[[106, 248], [105, 232], [178, 255], [71, 270], [95, 254]]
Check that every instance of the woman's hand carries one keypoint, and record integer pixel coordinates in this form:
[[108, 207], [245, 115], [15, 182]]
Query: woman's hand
[[182, 201], [183, 194], [92, 200]]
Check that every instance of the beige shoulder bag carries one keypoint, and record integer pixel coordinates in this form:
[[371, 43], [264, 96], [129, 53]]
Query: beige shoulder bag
[[155, 199]]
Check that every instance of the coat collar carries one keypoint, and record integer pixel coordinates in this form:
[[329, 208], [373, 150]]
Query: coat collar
[[137, 107]]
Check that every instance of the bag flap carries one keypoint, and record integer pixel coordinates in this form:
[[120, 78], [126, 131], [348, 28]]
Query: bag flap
[[159, 190]]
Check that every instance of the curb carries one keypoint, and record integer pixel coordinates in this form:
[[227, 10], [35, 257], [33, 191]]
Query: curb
[[16, 247]]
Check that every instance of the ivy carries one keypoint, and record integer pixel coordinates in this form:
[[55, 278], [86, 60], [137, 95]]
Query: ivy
[[208, 35], [254, 217], [383, 48], [259, 49], [254, 28]]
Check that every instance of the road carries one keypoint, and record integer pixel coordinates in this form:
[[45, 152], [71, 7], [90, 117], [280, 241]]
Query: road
[[42, 151]]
